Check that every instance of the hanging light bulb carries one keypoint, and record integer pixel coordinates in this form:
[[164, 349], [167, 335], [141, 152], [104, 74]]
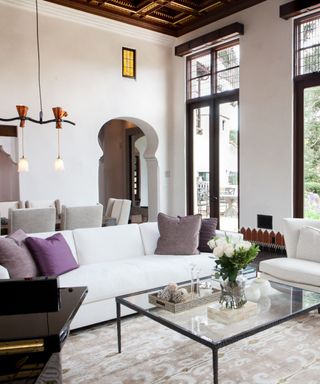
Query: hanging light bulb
[[59, 113], [58, 164], [23, 165]]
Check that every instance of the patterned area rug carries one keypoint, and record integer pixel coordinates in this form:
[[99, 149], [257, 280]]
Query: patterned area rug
[[153, 354]]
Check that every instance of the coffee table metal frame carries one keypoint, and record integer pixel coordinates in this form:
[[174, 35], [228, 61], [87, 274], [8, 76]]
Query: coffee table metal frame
[[213, 345]]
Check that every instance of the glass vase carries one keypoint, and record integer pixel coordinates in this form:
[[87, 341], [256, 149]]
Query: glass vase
[[232, 294]]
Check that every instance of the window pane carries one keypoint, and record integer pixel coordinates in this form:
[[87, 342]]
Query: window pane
[[201, 161], [308, 47], [312, 152], [228, 166], [228, 58], [200, 66], [201, 87], [309, 60], [227, 80]]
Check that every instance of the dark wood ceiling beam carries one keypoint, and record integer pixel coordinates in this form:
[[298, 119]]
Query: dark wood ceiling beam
[[219, 14], [99, 11], [215, 37], [296, 8]]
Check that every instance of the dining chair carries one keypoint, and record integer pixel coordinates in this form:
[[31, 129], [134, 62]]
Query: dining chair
[[32, 220], [119, 209], [88, 216]]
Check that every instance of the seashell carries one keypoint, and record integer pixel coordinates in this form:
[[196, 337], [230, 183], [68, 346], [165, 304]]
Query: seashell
[[180, 295], [164, 294]]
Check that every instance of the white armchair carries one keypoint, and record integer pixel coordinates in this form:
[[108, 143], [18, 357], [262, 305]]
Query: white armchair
[[301, 267]]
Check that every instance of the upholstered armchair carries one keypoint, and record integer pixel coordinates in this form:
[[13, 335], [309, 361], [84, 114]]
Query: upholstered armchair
[[301, 267]]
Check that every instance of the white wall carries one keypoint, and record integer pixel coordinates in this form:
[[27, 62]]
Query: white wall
[[265, 115], [81, 71]]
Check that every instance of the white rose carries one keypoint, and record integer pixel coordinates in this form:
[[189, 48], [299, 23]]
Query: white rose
[[212, 243], [246, 245], [243, 246], [218, 252], [229, 250], [221, 242]]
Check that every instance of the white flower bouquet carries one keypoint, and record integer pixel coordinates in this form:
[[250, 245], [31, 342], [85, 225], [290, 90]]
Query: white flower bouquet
[[231, 257]]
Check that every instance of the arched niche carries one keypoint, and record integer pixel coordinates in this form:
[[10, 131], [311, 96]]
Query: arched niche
[[149, 156]]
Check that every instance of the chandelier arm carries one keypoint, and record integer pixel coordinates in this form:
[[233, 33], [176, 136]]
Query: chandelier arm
[[12, 119], [37, 121]]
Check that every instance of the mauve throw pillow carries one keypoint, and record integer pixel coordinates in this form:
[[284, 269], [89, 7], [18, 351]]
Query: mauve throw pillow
[[15, 256], [207, 232], [178, 235], [53, 254]]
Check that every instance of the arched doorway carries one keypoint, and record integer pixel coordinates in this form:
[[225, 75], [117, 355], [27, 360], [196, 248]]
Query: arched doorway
[[129, 167]]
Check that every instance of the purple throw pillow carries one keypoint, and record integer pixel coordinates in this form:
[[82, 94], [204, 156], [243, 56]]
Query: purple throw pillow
[[53, 254], [178, 235], [207, 232], [15, 256]]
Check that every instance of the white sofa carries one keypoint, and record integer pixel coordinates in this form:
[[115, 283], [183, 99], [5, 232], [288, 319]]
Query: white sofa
[[117, 260], [301, 267]]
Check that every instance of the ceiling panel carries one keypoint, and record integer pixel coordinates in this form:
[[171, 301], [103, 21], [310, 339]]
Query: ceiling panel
[[172, 17]]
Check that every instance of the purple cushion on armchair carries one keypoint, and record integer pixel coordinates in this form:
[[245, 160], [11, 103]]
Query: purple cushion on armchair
[[53, 254]]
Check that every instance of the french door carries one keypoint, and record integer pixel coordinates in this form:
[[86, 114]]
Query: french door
[[307, 148], [213, 160]]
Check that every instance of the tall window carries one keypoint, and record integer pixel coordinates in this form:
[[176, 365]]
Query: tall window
[[212, 135], [307, 118]]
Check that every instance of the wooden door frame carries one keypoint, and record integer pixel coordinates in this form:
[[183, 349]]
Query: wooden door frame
[[212, 102], [300, 84]]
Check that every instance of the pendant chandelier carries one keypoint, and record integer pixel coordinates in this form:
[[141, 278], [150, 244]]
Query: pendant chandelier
[[58, 113]]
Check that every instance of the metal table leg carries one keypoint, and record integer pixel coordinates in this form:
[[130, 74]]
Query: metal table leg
[[215, 365], [119, 326]]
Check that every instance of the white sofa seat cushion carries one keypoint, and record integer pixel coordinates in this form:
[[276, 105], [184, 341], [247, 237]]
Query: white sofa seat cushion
[[308, 247], [97, 245], [109, 279], [292, 270]]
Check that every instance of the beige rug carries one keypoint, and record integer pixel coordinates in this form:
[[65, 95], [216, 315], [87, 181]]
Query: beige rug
[[288, 353]]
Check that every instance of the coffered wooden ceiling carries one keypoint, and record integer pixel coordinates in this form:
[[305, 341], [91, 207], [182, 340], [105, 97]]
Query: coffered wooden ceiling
[[172, 17]]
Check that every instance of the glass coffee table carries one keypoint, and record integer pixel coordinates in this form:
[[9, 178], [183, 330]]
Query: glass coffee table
[[279, 304]]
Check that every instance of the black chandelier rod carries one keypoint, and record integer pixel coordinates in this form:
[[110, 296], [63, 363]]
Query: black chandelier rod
[[38, 121]]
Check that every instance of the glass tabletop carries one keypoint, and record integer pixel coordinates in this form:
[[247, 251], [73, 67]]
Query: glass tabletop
[[277, 304]]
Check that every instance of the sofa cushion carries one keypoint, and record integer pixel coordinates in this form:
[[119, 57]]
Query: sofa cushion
[[292, 270], [113, 278], [53, 255], [68, 236], [207, 232], [291, 231], [96, 245], [178, 235], [150, 235], [309, 244], [15, 256]]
